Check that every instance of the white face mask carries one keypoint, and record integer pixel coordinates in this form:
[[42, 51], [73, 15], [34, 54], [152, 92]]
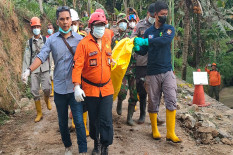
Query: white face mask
[[132, 24], [74, 28], [122, 26], [98, 31], [151, 20], [107, 26], [36, 31]]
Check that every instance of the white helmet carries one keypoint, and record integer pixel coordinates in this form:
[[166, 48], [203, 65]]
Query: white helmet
[[74, 15]]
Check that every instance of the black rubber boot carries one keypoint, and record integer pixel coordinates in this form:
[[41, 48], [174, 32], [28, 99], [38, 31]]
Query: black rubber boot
[[104, 150], [130, 115], [96, 150], [119, 107], [141, 119]]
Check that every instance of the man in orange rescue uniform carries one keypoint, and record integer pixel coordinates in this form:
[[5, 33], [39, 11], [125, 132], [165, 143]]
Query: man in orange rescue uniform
[[92, 78], [215, 81]]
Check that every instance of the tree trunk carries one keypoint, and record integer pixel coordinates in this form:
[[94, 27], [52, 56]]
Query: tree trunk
[[198, 46], [131, 3], [89, 7], [74, 4], [64, 2], [79, 5], [125, 5], [41, 7], [186, 40]]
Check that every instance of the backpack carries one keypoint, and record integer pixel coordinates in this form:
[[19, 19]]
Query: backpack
[[30, 44]]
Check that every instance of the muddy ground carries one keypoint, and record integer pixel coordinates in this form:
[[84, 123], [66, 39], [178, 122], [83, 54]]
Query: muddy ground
[[21, 136]]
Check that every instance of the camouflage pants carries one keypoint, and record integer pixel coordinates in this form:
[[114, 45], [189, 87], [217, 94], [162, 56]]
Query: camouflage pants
[[128, 82]]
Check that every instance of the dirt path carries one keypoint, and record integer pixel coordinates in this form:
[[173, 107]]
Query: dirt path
[[21, 136]]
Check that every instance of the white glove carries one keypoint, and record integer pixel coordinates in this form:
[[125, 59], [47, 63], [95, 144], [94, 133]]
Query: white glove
[[113, 62], [79, 93], [25, 75], [51, 75]]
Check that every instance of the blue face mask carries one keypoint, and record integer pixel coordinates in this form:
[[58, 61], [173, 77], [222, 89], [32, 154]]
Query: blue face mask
[[122, 26], [36, 31], [50, 31], [98, 31], [62, 31]]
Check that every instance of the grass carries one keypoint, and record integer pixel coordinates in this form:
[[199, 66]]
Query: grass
[[3, 118]]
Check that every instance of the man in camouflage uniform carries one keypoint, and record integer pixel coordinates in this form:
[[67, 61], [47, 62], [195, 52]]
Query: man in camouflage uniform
[[141, 62], [128, 81]]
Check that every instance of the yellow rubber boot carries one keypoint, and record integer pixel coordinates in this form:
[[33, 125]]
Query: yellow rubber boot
[[72, 125], [49, 106], [170, 123], [85, 123], [52, 91], [39, 111], [155, 131]]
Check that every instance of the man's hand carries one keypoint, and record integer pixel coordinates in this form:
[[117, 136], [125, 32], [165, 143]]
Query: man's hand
[[136, 48], [141, 42], [25, 76], [79, 93]]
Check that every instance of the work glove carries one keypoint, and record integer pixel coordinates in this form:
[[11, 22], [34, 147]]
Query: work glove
[[51, 75], [136, 48], [79, 93], [113, 63], [141, 42], [25, 76]]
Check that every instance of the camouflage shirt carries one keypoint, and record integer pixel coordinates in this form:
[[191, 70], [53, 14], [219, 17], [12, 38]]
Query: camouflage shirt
[[116, 38]]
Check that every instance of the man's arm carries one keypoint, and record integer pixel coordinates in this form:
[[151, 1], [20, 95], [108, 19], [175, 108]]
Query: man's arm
[[79, 64], [165, 39], [142, 50]]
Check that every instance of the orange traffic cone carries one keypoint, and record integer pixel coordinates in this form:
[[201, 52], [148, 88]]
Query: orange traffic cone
[[199, 96]]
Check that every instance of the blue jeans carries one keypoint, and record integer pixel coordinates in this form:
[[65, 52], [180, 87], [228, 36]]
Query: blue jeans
[[62, 102]]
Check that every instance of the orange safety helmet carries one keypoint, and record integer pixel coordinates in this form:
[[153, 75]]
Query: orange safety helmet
[[97, 17], [213, 64], [35, 21]]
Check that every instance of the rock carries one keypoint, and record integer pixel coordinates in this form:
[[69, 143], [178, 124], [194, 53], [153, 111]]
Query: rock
[[226, 141], [207, 123], [17, 111], [193, 108], [190, 122], [178, 106], [23, 102], [215, 133], [223, 133], [217, 139]]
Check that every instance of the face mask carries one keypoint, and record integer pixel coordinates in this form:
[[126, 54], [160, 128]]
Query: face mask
[[151, 20], [50, 31], [65, 32], [123, 26], [74, 28], [107, 26], [98, 31], [132, 24], [162, 19], [36, 31]]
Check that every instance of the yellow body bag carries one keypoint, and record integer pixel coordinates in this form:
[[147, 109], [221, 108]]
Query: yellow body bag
[[121, 55]]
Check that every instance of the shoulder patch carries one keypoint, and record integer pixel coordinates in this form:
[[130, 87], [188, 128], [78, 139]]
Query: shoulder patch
[[169, 31], [151, 36]]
